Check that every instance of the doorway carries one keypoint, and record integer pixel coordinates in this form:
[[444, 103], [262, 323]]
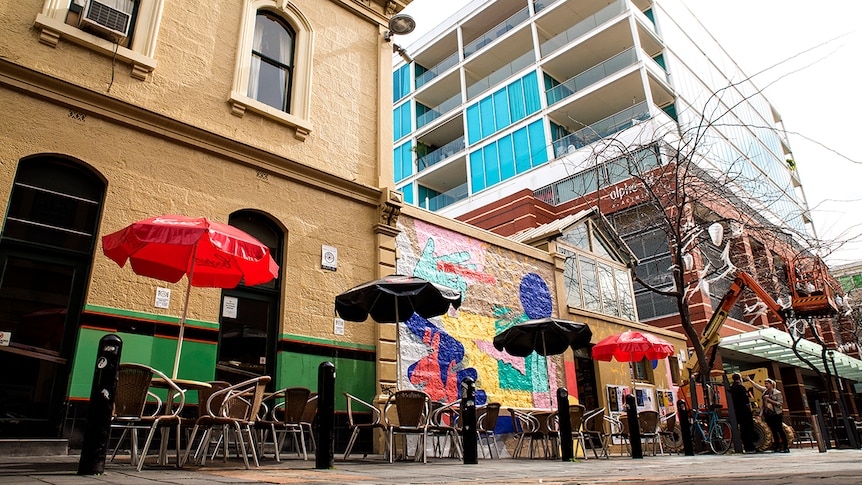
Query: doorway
[[249, 317], [46, 246]]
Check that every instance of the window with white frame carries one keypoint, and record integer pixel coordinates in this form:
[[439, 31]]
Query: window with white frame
[[125, 30], [272, 77], [594, 281]]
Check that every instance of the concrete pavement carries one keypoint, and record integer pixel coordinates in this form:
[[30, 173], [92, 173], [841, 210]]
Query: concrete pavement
[[801, 466]]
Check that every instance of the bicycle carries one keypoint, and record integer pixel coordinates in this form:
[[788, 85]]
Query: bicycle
[[712, 429]]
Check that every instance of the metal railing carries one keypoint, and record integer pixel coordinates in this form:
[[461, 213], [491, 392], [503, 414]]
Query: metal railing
[[441, 153], [612, 124], [591, 76], [582, 27], [438, 111], [497, 31], [432, 73]]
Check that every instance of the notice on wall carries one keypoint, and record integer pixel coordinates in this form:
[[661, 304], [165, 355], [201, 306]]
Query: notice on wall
[[5, 338], [163, 298], [338, 327], [229, 307]]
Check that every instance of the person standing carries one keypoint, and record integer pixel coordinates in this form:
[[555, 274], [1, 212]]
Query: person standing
[[742, 408], [771, 410]]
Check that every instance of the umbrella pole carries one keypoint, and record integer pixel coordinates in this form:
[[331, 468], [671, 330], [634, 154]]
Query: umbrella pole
[[183, 317]]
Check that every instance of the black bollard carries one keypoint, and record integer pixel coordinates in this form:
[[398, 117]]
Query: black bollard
[[325, 416], [567, 449], [685, 427], [98, 430], [634, 426], [469, 434]]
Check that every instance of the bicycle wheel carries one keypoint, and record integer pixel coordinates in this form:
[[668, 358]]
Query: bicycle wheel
[[719, 437]]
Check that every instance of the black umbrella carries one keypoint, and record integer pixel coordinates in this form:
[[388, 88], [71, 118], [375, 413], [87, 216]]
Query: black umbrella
[[394, 297], [545, 336]]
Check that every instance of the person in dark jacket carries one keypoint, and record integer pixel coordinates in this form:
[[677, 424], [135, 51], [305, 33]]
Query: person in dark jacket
[[742, 408]]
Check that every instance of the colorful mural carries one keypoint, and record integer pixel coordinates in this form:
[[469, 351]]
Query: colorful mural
[[500, 288]]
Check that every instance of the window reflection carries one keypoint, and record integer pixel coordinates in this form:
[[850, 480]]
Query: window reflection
[[271, 62]]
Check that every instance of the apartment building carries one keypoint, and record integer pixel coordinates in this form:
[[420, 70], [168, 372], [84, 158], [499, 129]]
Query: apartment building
[[511, 114]]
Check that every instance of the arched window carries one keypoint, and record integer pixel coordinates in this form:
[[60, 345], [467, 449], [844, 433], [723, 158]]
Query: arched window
[[272, 77], [271, 62]]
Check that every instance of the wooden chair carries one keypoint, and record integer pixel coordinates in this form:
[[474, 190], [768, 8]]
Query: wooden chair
[[485, 424], [413, 409], [356, 427], [233, 409]]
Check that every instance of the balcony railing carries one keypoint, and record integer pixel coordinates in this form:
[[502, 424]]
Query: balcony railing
[[591, 76], [582, 27], [539, 5], [441, 153], [438, 111], [497, 31], [446, 198], [601, 129], [499, 75], [441, 66]]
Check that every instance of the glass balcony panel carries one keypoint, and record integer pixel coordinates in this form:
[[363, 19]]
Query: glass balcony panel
[[438, 111], [499, 75], [441, 67], [441, 153], [582, 27], [446, 198], [591, 76], [603, 128], [540, 5], [497, 31]]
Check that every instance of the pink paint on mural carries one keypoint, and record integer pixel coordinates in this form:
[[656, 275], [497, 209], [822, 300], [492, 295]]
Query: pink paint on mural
[[448, 242], [518, 363]]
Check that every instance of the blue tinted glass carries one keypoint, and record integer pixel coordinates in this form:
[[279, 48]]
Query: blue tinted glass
[[408, 193], [492, 168], [531, 93], [522, 150], [501, 109], [474, 124], [516, 100], [538, 147], [486, 111], [477, 171], [507, 157]]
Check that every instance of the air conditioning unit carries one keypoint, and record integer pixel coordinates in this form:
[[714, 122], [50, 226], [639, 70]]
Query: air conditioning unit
[[110, 17]]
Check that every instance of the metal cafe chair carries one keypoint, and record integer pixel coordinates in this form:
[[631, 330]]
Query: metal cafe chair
[[356, 427], [413, 409], [485, 424]]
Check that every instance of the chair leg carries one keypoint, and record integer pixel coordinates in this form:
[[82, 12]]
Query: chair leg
[[351, 442]]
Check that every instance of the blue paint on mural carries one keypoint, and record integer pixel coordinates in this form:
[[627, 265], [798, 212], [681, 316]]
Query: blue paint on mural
[[536, 297]]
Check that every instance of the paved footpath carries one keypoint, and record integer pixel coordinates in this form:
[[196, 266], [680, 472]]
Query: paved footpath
[[805, 466]]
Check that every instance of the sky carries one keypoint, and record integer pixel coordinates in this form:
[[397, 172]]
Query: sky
[[817, 53]]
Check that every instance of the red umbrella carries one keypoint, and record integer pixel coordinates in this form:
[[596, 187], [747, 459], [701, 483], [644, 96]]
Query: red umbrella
[[632, 347], [210, 254]]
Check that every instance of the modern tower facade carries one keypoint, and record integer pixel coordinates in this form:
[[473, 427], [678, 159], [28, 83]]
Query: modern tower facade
[[504, 115], [512, 94]]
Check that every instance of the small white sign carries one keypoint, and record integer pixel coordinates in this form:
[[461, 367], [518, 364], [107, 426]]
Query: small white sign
[[339, 326], [328, 257], [163, 297], [230, 305], [5, 338]]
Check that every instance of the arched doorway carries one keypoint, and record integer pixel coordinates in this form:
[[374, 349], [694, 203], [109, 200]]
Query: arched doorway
[[46, 247], [248, 323]]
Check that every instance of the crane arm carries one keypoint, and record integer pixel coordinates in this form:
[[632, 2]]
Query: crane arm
[[710, 338]]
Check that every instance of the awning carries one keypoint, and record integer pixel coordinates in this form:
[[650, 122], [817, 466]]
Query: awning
[[773, 344]]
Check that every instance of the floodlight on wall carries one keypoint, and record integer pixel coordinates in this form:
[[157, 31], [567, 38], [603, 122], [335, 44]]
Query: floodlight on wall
[[399, 24]]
